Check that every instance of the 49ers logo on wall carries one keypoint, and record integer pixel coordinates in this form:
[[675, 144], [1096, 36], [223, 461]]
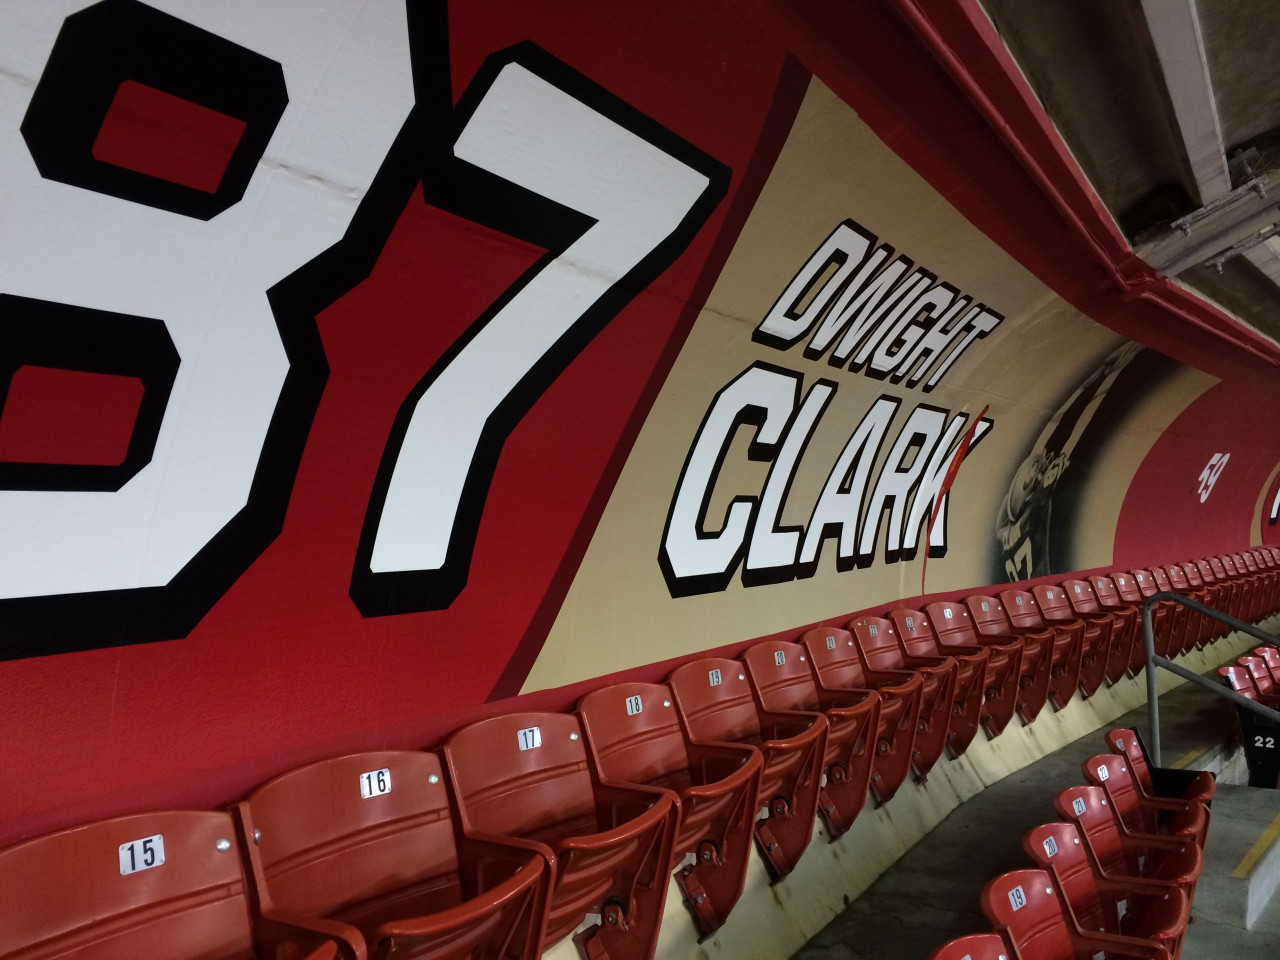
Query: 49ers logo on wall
[[173, 224]]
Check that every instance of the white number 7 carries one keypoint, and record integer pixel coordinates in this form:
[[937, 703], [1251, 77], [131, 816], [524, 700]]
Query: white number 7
[[644, 205]]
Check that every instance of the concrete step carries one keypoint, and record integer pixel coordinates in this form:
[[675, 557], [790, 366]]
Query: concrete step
[[1241, 858]]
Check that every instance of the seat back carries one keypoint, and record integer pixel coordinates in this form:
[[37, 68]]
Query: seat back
[[634, 733], [1162, 579], [715, 699], [1229, 564], [1191, 572], [877, 642], [520, 773], [1058, 848], [835, 658], [1022, 609], [1177, 577], [1082, 597], [341, 831], [1219, 568], [1023, 903], [1110, 771], [1240, 680], [1257, 668], [1054, 605], [143, 887], [1089, 809], [1146, 582], [975, 946], [1127, 587], [781, 676], [1125, 743], [952, 624], [1250, 561], [988, 617], [1104, 588], [918, 638]]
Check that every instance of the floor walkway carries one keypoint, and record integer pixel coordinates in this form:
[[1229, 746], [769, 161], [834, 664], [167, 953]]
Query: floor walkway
[[931, 894]]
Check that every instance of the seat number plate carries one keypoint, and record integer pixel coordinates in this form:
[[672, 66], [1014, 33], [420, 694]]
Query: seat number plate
[[779, 657], [1017, 898], [713, 678], [1077, 805], [831, 643], [141, 854], [375, 783], [1050, 846], [633, 706], [1104, 773], [529, 737]]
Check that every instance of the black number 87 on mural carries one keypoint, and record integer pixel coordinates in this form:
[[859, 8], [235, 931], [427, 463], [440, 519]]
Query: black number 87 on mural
[[532, 149]]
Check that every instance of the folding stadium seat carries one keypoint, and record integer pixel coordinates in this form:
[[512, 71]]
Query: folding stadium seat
[[1185, 818], [955, 631], [636, 740], [1025, 906], [884, 661], [1170, 643], [1068, 643], [1271, 657], [1126, 618], [917, 639], [994, 619], [1244, 586], [1240, 679], [1196, 627], [1256, 591], [975, 946], [1099, 633], [839, 669], [780, 674], [1135, 591], [1151, 782], [1153, 910], [1231, 590], [366, 849], [152, 886], [524, 779], [1202, 579], [717, 705], [1263, 682], [1113, 852]]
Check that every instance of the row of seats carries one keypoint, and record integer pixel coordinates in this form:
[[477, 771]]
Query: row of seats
[[1114, 875], [525, 825]]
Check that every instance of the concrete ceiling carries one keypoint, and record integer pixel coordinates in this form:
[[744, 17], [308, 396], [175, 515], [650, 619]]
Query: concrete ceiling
[[1171, 112]]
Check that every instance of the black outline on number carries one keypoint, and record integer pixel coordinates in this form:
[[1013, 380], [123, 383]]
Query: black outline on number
[[45, 334], [458, 187], [116, 40]]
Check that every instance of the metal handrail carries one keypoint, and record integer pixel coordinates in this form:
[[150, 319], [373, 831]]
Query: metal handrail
[[1154, 659]]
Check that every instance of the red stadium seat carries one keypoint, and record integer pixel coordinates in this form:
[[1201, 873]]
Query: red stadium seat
[[1100, 632], [1198, 785], [1114, 853], [1127, 630], [1135, 587], [1025, 906], [366, 849], [1068, 644], [1168, 618], [1154, 910], [1271, 657], [783, 681], [524, 779], [1240, 679], [878, 648], [839, 669], [1260, 673], [635, 737], [954, 626], [1182, 625], [1186, 818], [1194, 632], [718, 706], [917, 638], [976, 946], [993, 619], [152, 886]]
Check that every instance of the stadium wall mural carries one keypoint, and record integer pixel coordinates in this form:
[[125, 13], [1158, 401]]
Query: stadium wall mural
[[365, 367]]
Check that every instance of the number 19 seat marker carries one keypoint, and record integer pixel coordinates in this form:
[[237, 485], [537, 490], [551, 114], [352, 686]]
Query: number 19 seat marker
[[641, 194]]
